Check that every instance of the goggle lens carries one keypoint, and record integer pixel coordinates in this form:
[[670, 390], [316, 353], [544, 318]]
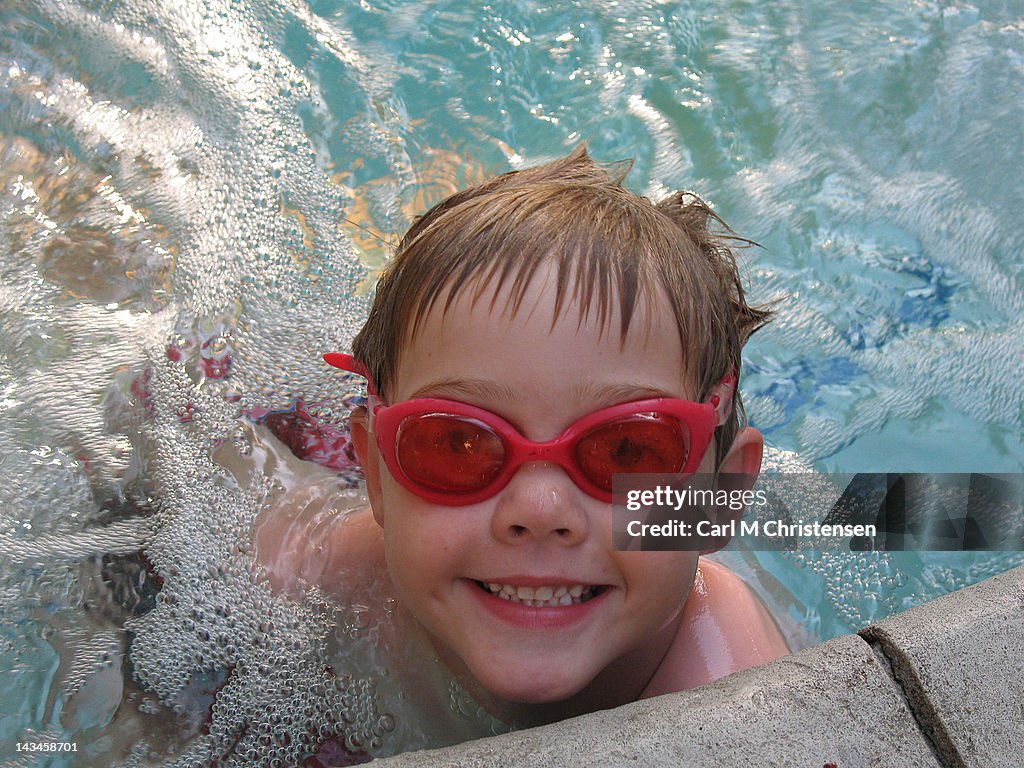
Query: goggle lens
[[640, 443], [449, 454], [452, 454]]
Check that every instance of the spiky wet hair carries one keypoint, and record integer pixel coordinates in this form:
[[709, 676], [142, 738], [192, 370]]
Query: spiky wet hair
[[606, 243]]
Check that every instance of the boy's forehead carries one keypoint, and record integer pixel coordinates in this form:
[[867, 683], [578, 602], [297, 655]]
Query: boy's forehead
[[537, 304], [522, 298], [539, 313]]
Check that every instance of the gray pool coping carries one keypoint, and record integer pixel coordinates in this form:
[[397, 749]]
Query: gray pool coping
[[939, 685]]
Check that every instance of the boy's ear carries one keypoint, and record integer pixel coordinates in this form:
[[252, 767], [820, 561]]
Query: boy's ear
[[742, 464], [738, 472], [369, 457]]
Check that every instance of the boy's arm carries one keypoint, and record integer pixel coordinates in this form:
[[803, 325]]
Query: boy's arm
[[310, 531], [724, 628], [305, 538]]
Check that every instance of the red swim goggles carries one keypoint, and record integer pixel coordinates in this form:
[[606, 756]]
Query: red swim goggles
[[451, 453]]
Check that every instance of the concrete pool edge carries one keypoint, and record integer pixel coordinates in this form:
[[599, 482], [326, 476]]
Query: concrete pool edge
[[939, 685]]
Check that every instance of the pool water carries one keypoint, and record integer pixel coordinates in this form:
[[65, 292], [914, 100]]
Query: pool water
[[195, 197]]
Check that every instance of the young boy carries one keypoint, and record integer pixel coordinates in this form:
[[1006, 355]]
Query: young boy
[[547, 304]]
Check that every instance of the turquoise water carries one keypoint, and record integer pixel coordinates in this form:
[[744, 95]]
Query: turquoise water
[[185, 194]]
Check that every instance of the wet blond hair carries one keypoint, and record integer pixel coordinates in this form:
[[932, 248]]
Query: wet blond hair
[[605, 242]]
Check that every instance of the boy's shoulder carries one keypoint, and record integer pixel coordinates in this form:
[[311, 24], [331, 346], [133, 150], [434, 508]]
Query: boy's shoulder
[[308, 538], [730, 626], [311, 531]]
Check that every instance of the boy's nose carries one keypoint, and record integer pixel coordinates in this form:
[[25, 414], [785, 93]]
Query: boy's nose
[[540, 503]]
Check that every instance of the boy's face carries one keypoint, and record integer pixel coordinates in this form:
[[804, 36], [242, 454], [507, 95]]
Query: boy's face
[[540, 530]]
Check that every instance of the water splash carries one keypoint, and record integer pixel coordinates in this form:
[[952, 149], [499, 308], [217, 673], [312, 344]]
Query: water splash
[[169, 236], [173, 180]]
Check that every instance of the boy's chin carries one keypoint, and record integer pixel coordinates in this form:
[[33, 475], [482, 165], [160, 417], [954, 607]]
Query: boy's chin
[[516, 676], [530, 686]]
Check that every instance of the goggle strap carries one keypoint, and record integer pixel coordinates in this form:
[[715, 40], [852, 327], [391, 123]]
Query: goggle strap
[[348, 363], [373, 404], [721, 397]]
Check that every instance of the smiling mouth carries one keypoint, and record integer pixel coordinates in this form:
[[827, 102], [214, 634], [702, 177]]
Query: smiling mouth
[[543, 597]]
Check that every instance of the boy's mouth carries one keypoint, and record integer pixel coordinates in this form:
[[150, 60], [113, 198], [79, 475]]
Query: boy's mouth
[[543, 597]]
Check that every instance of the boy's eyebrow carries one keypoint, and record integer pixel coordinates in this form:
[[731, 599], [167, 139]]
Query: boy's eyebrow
[[483, 388], [583, 391], [618, 392]]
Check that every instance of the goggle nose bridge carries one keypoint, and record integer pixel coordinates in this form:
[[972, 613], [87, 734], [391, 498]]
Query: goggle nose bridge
[[553, 452]]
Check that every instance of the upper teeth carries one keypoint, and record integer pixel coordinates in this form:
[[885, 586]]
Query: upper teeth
[[538, 596]]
